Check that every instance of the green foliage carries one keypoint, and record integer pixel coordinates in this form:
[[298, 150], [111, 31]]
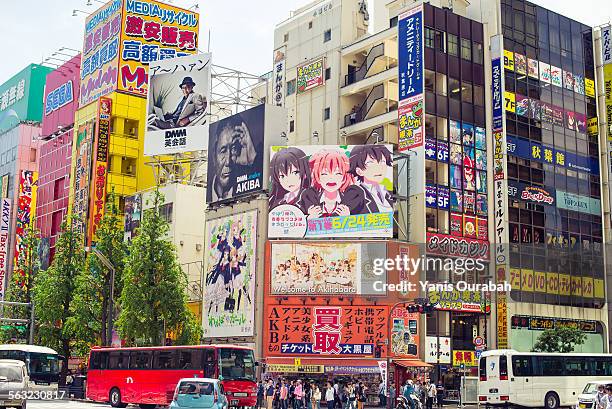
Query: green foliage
[[53, 290], [153, 300], [20, 288], [89, 306], [562, 339]]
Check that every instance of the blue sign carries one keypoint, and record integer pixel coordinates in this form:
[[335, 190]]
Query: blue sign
[[443, 197], [431, 195], [576, 203], [442, 151], [410, 41], [498, 104], [430, 148], [59, 97]]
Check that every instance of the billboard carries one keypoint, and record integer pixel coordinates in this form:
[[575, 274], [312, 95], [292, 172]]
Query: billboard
[[5, 224], [331, 191], [152, 31], [606, 51], [229, 293], [318, 268], [462, 301], [26, 204], [61, 96], [411, 99], [279, 76], [100, 167], [178, 105], [100, 53], [133, 214], [310, 75], [404, 333], [82, 174], [325, 330], [236, 155]]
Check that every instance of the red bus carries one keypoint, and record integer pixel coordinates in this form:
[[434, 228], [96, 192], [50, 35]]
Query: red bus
[[148, 376]]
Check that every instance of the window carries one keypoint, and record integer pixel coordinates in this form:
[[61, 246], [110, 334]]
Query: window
[[164, 359], [453, 44], [478, 56], [327, 73], [32, 154], [190, 358], [466, 49], [286, 37], [309, 25], [521, 366], [118, 360], [58, 188], [209, 363], [429, 37], [393, 22], [326, 114], [290, 87], [131, 128], [327, 36], [165, 211], [292, 126], [140, 359], [98, 360], [552, 366]]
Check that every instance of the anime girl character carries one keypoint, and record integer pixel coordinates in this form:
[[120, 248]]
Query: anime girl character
[[330, 178], [469, 181], [290, 177]]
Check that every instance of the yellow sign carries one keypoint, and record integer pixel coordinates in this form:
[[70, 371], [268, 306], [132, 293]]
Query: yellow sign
[[508, 60], [515, 278], [589, 87], [502, 321], [564, 284], [280, 368], [152, 31], [576, 286], [467, 358], [608, 94], [592, 126], [552, 283], [297, 362], [527, 280], [598, 285], [539, 281], [587, 287], [510, 101]]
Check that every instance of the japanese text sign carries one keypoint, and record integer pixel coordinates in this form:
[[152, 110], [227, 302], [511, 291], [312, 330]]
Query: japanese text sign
[[5, 223], [310, 75], [410, 35]]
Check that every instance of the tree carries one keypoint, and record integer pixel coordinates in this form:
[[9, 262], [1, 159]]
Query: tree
[[20, 290], [89, 308], [54, 288], [153, 300], [562, 339]]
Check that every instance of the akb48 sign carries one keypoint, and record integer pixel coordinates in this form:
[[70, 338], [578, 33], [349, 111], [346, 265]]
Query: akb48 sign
[[5, 221]]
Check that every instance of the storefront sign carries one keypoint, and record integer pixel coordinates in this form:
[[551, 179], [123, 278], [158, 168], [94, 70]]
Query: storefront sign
[[351, 370], [535, 194], [445, 245], [5, 186], [26, 206], [324, 330], [438, 350], [544, 323], [465, 358], [589, 87], [462, 301], [577, 203], [606, 44], [592, 126], [280, 368], [411, 106], [508, 60], [153, 31], [279, 77], [607, 68], [310, 75], [59, 97], [502, 321], [5, 223]]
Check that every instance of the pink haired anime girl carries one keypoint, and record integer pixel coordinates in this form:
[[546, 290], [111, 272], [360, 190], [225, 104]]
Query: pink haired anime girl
[[330, 178]]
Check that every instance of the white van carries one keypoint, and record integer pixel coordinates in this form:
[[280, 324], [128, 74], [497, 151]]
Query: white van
[[14, 382]]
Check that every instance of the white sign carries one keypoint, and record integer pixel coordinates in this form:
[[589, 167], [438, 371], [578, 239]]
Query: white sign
[[478, 341], [278, 76], [438, 350], [178, 105], [5, 223], [382, 365], [606, 44]]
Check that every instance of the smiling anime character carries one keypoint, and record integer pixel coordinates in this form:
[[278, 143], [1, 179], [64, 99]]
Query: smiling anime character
[[330, 178], [290, 178], [369, 166]]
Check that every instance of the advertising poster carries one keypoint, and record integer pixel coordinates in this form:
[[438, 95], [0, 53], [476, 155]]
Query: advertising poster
[[82, 173], [404, 334], [44, 252], [410, 65], [522, 105], [592, 126], [100, 53], [568, 80], [589, 87], [229, 293], [310, 75], [133, 215], [520, 64], [545, 75], [5, 224], [324, 268], [579, 84], [333, 331], [151, 31], [331, 191], [26, 204], [460, 301], [532, 68], [100, 168], [556, 76], [5, 186], [437, 350], [236, 155], [606, 44], [178, 105], [279, 76]]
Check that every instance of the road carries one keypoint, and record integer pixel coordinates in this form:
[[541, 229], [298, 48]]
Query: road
[[65, 404]]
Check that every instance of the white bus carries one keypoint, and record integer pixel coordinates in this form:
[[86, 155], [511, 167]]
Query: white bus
[[43, 364], [538, 379]]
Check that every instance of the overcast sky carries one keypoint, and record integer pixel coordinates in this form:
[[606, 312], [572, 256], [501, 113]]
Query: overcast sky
[[242, 30]]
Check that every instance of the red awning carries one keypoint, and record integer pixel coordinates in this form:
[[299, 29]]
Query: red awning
[[411, 363]]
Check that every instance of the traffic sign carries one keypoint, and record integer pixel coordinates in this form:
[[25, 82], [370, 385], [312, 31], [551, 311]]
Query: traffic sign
[[480, 347], [478, 353], [478, 340]]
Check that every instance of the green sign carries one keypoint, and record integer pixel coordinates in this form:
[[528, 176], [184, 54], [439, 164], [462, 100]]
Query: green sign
[[21, 97], [577, 203]]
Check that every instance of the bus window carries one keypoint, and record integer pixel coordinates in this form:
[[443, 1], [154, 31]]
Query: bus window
[[140, 360], [503, 368], [98, 360], [575, 367], [164, 359], [521, 365], [118, 360], [236, 363], [209, 363], [482, 367], [189, 358], [552, 366]]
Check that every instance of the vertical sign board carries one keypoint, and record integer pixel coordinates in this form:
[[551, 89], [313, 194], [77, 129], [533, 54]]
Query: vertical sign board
[[26, 204], [606, 56], [100, 160], [411, 110], [82, 174], [500, 187], [278, 76], [5, 222]]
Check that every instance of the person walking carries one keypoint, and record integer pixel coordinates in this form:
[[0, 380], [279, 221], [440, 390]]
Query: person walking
[[260, 394], [392, 394], [431, 394], [408, 392], [299, 395], [307, 395], [382, 394], [270, 394], [292, 403], [361, 395], [351, 397], [316, 396], [284, 395], [440, 394], [598, 399]]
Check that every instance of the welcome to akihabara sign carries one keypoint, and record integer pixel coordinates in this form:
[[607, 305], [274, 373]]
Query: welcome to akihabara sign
[[124, 36]]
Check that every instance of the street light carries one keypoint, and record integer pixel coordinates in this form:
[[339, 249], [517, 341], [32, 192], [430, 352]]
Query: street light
[[109, 265], [75, 11]]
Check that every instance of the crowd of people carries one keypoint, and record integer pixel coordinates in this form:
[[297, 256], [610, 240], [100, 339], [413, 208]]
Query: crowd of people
[[302, 394]]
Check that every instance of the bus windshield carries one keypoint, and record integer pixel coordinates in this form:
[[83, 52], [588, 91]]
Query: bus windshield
[[237, 364], [44, 364]]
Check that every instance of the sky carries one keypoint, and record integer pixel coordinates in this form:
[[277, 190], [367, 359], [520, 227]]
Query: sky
[[241, 30]]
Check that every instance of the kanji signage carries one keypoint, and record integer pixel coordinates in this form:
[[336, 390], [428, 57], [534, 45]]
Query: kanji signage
[[26, 204], [465, 358], [543, 323], [328, 330], [82, 171], [445, 245], [278, 76], [438, 350], [5, 224], [456, 300], [281, 368], [310, 75]]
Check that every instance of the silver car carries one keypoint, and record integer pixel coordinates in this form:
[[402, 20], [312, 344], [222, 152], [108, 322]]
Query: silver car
[[14, 382]]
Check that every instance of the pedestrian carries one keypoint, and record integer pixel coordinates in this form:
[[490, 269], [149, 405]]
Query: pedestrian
[[284, 392], [292, 395], [361, 395], [316, 396], [330, 396], [431, 394], [260, 394], [382, 394], [351, 397], [392, 394], [418, 391], [408, 393], [307, 395], [299, 395], [598, 399], [339, 398], [270, 394], [608, 398], [440, 394]]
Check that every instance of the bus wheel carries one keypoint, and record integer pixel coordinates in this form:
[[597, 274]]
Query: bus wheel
[[551, 401], [115, 399]]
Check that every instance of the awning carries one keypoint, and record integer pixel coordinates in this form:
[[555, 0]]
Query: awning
[[411, 363]]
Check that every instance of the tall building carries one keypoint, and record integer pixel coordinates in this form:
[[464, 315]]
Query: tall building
[[61, 100], [20, 118]]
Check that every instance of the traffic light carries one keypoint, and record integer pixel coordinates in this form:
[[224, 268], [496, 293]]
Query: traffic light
[[420, 308]]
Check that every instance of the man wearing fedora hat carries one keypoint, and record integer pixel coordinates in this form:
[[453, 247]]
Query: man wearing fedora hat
[[191, 106]]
